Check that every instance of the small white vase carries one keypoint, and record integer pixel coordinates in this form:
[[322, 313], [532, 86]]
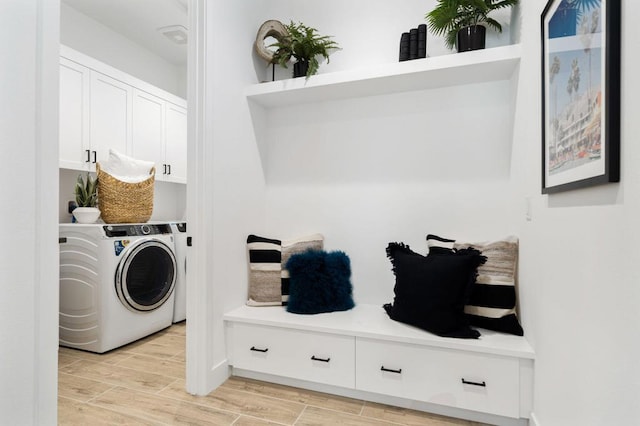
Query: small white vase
[[86, 214]]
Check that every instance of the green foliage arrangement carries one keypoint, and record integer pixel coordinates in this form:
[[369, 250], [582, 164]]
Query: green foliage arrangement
[[86, 191], [450, 16], [303, 43]]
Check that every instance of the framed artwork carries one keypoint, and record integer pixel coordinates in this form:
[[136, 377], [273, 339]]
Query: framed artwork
[[580, 94]]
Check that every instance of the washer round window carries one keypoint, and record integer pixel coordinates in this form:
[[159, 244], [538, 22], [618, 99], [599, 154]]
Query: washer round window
[[146, 275]]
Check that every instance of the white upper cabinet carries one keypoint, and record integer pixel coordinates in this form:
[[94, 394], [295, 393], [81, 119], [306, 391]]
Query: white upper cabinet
[[102, 108], [160, 135], [75, 151], [148, 129], [176, 143], [111, 115]]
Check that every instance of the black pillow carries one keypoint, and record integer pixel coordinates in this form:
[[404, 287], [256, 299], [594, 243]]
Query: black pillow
[[430, 292]]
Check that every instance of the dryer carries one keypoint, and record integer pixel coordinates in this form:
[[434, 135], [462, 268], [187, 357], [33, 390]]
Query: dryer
[[116, 283], [180, 302]]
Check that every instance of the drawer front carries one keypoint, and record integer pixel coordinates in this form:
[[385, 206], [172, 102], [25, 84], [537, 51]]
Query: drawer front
[[317, 357], [479, 382]]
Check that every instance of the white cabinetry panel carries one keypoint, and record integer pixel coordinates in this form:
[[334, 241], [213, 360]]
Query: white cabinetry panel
[[74, 115], [111, 114], [317, 357], [102, 108], [485, 383], [176, 143], [148, 129], [160, 135], [491, 376]]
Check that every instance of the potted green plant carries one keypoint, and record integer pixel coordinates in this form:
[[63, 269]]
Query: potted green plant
[[304, 45], [463, 22], [86, 191]]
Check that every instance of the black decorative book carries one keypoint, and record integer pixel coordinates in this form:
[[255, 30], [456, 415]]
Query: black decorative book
[[404, 47], [422, 41], [413, 43]]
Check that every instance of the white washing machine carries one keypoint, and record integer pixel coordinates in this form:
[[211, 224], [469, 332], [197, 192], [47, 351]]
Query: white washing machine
[[116, 283], [180, 303]]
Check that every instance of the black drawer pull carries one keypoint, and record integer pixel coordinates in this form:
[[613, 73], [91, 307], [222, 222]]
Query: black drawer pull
[[481, 384], [253, 348], [314, 358], [398, 371]]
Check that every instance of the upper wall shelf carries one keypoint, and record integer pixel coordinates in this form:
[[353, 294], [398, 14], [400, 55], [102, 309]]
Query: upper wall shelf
[[477, 66]]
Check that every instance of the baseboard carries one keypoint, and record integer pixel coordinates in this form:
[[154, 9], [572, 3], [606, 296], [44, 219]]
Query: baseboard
[[533, 420], [218, 375]]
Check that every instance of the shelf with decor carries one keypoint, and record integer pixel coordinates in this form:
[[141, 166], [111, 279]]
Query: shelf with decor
[[495, 64]]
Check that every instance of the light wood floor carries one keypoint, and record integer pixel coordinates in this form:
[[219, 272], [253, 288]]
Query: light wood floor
[[143, 384]]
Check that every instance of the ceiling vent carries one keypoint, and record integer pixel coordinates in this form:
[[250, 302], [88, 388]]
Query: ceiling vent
[[175, 33]]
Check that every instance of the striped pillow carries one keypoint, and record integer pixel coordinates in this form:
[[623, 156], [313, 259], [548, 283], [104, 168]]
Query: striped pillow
[[265, 256], [493, 300], [296, 246], [268, 276]]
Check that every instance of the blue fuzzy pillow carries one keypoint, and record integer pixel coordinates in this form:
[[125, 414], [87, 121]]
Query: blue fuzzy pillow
[[319, 282]]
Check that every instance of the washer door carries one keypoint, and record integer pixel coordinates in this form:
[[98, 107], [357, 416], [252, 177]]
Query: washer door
[[146, 275]]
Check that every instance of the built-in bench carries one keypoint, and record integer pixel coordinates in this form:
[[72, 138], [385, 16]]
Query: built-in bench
[[361, 353]]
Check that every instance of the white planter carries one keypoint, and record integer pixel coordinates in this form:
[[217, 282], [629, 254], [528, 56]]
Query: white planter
[[86, 214]]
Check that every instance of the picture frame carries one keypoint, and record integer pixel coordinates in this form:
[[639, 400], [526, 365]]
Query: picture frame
[[580, 94]]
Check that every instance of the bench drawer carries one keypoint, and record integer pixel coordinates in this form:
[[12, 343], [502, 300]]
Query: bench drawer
[[479, 382], [304, 355]]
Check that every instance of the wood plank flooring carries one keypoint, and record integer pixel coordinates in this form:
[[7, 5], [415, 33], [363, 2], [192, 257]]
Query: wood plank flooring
[[143, 384]]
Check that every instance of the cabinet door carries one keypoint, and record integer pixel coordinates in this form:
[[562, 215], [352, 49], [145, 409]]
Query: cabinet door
[[111, 113], [148, 130], [316, 357], [176, 143], [479, 382], [74, 115]]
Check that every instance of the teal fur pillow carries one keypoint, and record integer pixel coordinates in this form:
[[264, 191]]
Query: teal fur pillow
[[319, 282]]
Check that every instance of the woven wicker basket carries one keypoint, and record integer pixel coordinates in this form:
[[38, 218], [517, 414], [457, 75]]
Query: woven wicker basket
[[124, 202]]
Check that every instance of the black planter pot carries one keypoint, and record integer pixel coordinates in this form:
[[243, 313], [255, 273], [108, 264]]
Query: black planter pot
[[471, 38], [300, 68]]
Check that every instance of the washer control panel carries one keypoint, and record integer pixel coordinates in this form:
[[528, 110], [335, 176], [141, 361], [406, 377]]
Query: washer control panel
[[136, 230]]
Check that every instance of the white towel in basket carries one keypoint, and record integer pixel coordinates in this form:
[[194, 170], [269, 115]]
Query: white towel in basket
[[127, 169]]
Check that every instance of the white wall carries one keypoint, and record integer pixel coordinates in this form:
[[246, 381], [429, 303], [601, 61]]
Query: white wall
[[578, 268], [228, 187], [579, 289], [92, 38], [28, 196], [368, 171]]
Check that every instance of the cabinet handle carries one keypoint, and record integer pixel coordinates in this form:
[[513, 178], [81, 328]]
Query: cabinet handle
[[164, 166], [389, 370], [169, 169], [253, 348], [481, 384], [95, 156], [88, 155], [314, 358]]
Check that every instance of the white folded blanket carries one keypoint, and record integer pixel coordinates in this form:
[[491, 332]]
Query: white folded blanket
[[127, 169]]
